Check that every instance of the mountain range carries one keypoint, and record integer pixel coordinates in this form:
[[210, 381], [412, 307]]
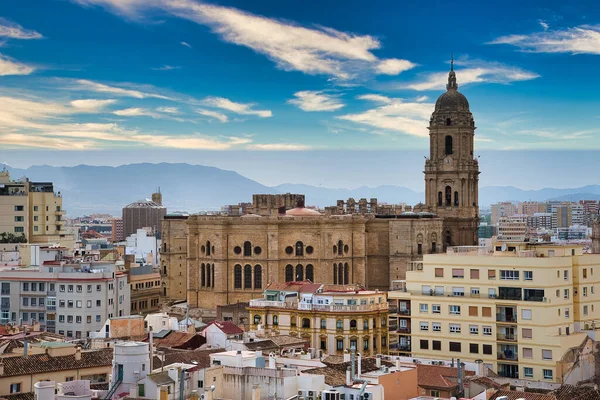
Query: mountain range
[[99, 189]]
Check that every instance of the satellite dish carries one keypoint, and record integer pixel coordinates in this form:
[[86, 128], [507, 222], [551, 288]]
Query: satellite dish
[[503, 246]]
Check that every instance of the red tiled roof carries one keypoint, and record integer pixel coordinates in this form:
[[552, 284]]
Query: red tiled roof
[[37, 363], [226, 327], [438, 377], [485, 381], [514, 395], [179, 340]]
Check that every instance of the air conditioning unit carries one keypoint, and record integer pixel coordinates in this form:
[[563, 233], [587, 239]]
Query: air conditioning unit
[[366, 396], [330, 395]]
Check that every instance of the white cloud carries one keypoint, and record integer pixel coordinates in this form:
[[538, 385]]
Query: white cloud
[[213, 114], [421, 98], [29, 141], [393, 66], [278, 147], [394, 114], [474, 71], [308, 100], [84, 84], [168, 110], [185, 44], [544, 24], [136, 112], [10, 67], [12, 30], [166, 68], [583, 39], [315, 50], [238, 108], [92, 105]]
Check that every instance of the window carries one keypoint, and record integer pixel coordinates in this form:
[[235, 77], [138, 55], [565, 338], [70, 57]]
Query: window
[[491, 274], [492, 293], [585, 310], [486, 311], [300, 272], [584, 272], [79, 304], [339, 324], [528, 275], [566, 313], [424, 344], [454, 346], [527, 352], [61, 318], [458, 291], [448, 147], [19, 208], [299, 249], [289, 274], [526, 314], [323, 323], [25, 286], [70, 303], [546, 354], [98, 288], [472, 311], [566, 275], [79, 288], [78, 319], [310, 273], [487, 349], [526, 333], [305, 323], [454, 328], [98, 318], [474, 329], [436, 327], [247, 276], [474, 348], [366, 325], [458, 273], [237, 277], [455, 310], [547, 374], [70, 288], [25, 301], [256, 319], [424, 326], [487, 330], [474, 274], [585, 291], [439, 272], [435, 308], [89, 319], [509, 275], [69, 319], [424, 308], [436, 345], [528, 372], [15, 387], [61, 303], [339, 344], [566, 293]]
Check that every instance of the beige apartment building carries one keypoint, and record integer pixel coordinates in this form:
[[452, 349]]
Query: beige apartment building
[[333, 318], [516, 307], [32, 209]]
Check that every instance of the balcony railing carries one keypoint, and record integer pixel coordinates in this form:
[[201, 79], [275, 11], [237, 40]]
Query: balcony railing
[[508, 357], [405, 311], [261, 303], [507, 337], [506, 318], [404, 329]]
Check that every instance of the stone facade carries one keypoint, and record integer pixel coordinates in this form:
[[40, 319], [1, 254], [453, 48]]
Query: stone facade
[[232, 259], [173, 257]]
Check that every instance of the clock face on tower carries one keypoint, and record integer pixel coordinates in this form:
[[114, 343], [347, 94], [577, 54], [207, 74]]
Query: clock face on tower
[[448, 160]]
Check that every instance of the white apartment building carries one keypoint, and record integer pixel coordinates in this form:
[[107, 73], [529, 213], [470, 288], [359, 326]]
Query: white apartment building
[[143, 246], [69, 299]]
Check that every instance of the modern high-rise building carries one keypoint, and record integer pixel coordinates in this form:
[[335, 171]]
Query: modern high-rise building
[[117, 229], [143, 214], [531, 207], [513, 228], [32, 210], [503, 209], [518, 307]]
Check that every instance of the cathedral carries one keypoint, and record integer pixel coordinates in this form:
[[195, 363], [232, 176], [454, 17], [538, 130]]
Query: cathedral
[[222, 259]]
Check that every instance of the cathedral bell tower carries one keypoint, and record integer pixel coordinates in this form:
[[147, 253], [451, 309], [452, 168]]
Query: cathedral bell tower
[[451, 171]]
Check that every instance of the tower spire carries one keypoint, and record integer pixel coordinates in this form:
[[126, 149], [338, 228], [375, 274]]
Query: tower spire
[[452, 85], [451, 61]]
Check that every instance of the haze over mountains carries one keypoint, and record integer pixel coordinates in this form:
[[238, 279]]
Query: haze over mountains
[[93, 189]]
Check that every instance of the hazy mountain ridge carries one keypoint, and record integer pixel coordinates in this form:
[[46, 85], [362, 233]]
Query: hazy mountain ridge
[[193, 188]]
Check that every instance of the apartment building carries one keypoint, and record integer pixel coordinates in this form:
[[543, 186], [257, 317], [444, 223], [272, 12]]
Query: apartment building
[[333, 318], [531, 207], [503, 209], [542, 221], [68, 299], [145, 289], [517, 307], [513, 228], [33, 210]]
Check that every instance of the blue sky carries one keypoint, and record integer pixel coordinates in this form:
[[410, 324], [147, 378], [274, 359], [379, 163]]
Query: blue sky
[[111, 81]]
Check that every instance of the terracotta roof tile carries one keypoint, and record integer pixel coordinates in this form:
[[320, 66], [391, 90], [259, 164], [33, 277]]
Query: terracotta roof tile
[[288, 341], [161, 378], [179, 340], [437, 376], [37, 363], [570, 392], [202, 357], [514, 395], [485, 382], [263, 345], [19, 396], [226, 327], [335, 372]]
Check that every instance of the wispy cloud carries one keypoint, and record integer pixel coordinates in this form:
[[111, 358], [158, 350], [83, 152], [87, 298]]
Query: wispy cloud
[[10, 67], [92, 105], [474, 71], [393, 114], [278, 147], [168, 110], [312, 50], [544, 24], [186, 44], [213, 114], [98, 87], [308, 100], [12, 30], [238, 108], [136, 112], [166, 68], [583, 39]]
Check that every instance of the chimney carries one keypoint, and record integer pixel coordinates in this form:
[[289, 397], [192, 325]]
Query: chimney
[[256, 392], [378, 361], [359, 365], [459, 376], [239, 359], [353, 363], [272, 364], [77, 353], [348, 377], [25, 348]]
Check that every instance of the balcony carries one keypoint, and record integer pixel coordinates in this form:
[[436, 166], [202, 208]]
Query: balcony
[[393, 309], [506, 314], [405, 311], [508, 353], [405, 329], [507, 337], [261, 303], [506, 318]]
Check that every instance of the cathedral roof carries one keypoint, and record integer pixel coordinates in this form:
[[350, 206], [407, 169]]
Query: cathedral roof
[[452, 100]]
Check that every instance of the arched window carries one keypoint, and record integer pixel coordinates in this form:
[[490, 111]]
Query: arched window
[[440, 199], [433, 247], [448, 121], [247, 276], [299, 249], [289, 273], [212, 272], [455, 198], [448, 196], [293, 321], [352, 324], [208, 275], [275, 320], [256, 319], [310, 273], [208, 248], [257, 277], [448, 145], [346, 274], [299, 272], [340, 247], [247, 249], [237, 277], [323, 323], [165, 247], [305, 323], [335, 280], [340, 274], [202, 275]]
